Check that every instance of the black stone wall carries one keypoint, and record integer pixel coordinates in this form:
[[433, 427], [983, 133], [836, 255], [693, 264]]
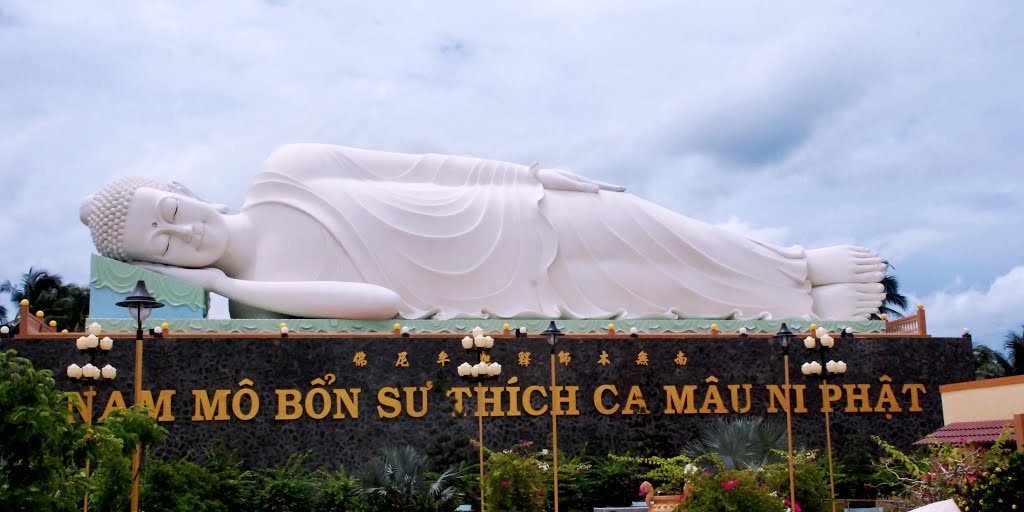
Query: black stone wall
[[273, 363]]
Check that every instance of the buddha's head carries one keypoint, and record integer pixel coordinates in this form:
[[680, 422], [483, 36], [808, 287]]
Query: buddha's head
[[136, 219]]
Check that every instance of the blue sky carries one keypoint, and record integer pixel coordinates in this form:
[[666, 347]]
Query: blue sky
[[896, 126]]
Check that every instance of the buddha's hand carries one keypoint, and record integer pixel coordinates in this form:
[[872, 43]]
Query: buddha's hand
[[208, 278], [561, 179]]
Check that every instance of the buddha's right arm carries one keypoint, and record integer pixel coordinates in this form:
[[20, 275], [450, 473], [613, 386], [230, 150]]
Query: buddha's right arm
[[304, 299], [313, 299]]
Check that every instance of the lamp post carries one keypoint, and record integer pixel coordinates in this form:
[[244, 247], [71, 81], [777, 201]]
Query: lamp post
[[479, 372], [140, 304], [820, 348], [552, 333], [785, 338], [89, 375]]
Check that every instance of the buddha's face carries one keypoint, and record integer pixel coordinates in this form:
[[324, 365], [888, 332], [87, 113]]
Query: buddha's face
[[172, 229]]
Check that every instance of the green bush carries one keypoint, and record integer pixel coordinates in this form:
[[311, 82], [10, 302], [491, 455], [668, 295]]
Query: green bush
[[732, 491], [516, 479], [336, 492], [941, 471], [287, 488], [112, 446], [587, 482], [810, 474], [43, 454], [220, 485], [998, 489]]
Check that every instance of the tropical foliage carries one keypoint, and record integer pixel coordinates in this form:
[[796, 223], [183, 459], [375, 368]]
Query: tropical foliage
[[989, 363], [400, 478], [733, 491], [517, 479], [43, 453], [67, 304], [743, 442], [965, 472]]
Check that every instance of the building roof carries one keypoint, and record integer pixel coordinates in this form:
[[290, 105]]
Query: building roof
[[971, 432]]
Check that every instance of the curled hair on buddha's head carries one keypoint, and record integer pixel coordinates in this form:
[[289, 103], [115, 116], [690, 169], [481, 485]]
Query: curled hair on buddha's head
[[105, 213]]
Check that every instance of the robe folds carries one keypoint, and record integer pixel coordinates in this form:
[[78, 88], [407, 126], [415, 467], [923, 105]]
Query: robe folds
[[463, 237]]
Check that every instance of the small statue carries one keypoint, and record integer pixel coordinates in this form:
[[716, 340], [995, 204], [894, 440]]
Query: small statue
[[335, 232], [666, 503]]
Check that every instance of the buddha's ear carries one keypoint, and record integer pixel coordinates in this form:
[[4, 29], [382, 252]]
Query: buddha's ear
[[85, 210]]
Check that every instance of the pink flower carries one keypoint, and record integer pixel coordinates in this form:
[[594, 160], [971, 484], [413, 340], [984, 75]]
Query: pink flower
[[731, 484], [796, 506], [504, 483]]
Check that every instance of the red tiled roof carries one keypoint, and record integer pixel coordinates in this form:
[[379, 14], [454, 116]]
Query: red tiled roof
[[970, 432]]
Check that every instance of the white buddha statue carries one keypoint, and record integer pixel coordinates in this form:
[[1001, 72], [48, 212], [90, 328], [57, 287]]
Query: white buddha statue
[[335, 232]]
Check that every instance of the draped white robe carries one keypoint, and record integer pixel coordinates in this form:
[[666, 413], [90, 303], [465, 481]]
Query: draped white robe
[[459, 236]]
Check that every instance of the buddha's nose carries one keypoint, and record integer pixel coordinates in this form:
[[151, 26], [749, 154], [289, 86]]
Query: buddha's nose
[[184, 232]]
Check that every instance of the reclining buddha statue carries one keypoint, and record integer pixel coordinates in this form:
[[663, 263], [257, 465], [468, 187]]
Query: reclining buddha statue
[[334, 232]]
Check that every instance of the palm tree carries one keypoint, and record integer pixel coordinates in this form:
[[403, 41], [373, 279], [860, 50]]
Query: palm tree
[[741, 443], [72, 308], [893, 298], [1013, 344], [400, 479], [40, 287], [68, 304], [989, 364]]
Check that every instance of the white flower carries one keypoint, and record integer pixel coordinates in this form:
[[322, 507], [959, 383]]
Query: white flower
[[689, 469], [543, 466], [544, 451]]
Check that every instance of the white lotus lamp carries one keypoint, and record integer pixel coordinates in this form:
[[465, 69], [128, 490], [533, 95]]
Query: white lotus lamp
[[494, 369], [827, 341], [90, 372], [75, 371], [815, 368], [108, 372]]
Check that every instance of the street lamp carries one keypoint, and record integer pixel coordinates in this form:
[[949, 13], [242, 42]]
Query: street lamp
[[89, 375], [479, 372], [820, 348], [140, 304], [785, 338], [552, 333]]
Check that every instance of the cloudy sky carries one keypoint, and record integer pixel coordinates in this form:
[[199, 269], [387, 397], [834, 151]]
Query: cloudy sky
[[893, 125]]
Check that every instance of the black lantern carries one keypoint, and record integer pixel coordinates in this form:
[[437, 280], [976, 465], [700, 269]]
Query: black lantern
[[784, 337], [140, 304], [552, 333]]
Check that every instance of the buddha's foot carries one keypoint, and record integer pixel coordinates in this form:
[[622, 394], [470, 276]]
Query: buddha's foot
[[847, 301], [843, 264]]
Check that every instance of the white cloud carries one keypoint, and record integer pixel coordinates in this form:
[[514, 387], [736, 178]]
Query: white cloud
[[899, 245], [988, 313], [893, 126]]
